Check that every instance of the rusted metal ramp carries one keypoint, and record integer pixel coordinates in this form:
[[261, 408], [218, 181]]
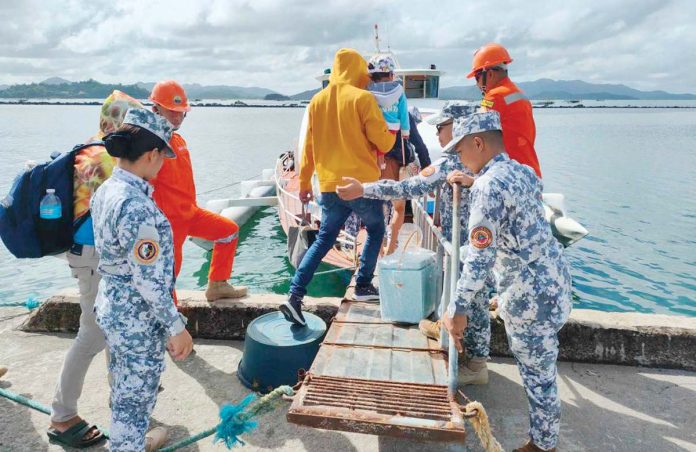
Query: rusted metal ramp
[[379, 378]]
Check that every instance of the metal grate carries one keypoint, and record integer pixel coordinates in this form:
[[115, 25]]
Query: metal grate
[[406, 410], [384, 397]]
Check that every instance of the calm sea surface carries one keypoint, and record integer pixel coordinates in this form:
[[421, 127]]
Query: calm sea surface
[[629, 176]]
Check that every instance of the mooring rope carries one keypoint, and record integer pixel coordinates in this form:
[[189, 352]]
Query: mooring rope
[[476, 414], [235, 420], [31, 304], [228, 185]]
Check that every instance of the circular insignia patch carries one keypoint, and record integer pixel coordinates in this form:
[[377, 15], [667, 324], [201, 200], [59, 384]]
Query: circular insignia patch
[[146, 251], [429, 171], [177, 99], [481, 237]]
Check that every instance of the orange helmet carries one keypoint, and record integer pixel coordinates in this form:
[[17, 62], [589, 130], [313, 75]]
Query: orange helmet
[[489, 56], [170, 95]]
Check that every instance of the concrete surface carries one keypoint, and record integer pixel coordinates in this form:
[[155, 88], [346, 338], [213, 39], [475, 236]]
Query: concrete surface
[[650, 340], [605, 407]]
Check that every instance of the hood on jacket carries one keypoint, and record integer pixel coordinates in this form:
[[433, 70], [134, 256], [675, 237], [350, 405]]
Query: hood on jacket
[[386, 93], [349, 67]]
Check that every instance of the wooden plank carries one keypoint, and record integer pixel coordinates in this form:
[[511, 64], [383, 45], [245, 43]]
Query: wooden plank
[[381, 364]]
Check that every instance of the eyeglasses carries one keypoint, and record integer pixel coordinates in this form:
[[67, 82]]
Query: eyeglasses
[[439, 127]]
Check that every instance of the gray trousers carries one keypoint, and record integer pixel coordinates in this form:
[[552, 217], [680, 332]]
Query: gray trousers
[[89, 341]]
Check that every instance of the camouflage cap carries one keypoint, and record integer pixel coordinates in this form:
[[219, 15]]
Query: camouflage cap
[[452, 110], [153, 123], [484, 121]]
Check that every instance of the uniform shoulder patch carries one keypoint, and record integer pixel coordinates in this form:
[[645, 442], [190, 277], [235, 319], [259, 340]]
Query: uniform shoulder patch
[[428, 171], [146, 251], [481, 237]]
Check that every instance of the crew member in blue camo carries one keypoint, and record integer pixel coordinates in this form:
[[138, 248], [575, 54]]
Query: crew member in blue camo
[[477, 338], [509, 235], [135, 307]]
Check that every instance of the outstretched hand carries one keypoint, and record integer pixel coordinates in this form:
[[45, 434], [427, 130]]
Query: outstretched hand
[[459, 177], [352, 190]]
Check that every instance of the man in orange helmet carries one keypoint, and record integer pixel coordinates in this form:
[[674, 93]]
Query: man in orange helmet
[[175, 194], [489, 67]]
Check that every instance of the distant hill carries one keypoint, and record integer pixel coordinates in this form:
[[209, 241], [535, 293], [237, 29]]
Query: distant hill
[[305, 95], [197, 91], [55, 81], [543, 89], [56, 87], [2, 87], [275, 96], [89, 89]]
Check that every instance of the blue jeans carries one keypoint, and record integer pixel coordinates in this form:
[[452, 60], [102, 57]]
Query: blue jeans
[[334, 213]]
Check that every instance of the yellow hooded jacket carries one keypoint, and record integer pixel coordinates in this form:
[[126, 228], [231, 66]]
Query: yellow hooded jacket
[[345, 128]]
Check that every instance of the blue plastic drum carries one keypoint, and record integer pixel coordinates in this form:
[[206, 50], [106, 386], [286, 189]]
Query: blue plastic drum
[[275, 350]]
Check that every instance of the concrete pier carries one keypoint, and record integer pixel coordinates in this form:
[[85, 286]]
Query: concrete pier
[[589, 336], [605, 407]]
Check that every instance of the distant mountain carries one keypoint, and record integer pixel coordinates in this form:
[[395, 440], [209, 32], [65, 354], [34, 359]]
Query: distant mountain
[[56, 87], [89, 89], [197, 91], [2, 87], [305, 95], [569, 89], [275, 96], [55, 81]]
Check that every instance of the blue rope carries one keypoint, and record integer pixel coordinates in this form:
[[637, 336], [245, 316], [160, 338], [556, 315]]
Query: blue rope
[[38, 406], [31, 304]]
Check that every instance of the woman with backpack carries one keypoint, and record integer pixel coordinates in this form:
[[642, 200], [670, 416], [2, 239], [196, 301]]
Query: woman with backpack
[[93, 165], [135, 305]]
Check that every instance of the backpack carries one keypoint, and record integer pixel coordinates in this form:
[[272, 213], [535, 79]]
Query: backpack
[[23, 232]]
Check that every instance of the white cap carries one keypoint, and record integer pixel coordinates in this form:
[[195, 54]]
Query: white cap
[[50, 190]]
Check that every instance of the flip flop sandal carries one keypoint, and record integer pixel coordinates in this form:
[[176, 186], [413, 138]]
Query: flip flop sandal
[[75, 436]]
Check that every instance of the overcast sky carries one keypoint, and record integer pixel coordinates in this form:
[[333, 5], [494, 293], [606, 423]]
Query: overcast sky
[[283, 45]]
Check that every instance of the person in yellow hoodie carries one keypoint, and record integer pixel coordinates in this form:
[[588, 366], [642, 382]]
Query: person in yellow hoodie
[[345, 133]]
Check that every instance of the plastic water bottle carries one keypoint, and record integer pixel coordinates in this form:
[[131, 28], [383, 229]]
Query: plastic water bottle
[[50, 207]]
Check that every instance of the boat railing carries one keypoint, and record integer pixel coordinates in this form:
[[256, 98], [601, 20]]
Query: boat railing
[[433, 240], [289, 204]]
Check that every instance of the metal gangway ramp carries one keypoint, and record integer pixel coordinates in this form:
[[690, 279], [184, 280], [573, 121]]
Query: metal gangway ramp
[[376, 377]]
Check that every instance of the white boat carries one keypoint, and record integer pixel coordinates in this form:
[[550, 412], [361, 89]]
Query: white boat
[[422, 90]]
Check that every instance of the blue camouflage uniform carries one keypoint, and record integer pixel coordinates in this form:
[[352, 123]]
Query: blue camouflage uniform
[[134, 307], [509, 235], [477, 336]]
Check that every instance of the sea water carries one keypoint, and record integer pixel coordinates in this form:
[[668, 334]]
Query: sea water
[[629, 176]]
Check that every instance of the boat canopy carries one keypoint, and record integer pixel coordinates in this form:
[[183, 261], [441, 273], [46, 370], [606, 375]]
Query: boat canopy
[[418, 83]]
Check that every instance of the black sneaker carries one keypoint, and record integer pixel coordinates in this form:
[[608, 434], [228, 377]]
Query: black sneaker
[[292, 310], [366, 293]]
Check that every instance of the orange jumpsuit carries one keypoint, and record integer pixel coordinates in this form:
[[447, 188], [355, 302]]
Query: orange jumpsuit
[[175, 194], [519, 131]]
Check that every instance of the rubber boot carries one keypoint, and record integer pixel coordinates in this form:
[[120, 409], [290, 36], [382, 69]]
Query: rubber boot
[[430, 329], [223, 289], [531, 447], [474, 372], [3, 371]]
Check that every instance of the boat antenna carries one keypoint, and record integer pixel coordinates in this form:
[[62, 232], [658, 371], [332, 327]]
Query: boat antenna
[[377, 38]]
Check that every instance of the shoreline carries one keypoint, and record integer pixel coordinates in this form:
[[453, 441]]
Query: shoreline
[[300, 104]]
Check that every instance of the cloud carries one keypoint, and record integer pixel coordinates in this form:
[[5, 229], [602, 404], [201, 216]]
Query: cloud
[[284, 45]]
